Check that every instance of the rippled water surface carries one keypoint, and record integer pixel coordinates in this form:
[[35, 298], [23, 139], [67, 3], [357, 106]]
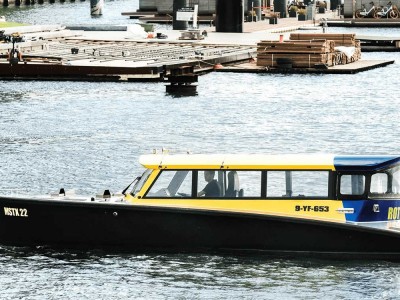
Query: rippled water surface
[[74, 275], [88, 136], [70, 13]]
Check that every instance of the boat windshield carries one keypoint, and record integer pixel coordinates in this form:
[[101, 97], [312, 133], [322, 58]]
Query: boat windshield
[[140, 182], [385, 184]]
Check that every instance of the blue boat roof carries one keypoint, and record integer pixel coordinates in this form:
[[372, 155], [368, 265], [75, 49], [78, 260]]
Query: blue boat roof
[[364, 162]]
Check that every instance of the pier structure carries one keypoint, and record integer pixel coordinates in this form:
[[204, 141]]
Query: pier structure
[[59, 53]]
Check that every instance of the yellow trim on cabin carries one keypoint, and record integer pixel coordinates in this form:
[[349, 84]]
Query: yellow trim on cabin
[[238, 162], [264, 207], [279, 207]]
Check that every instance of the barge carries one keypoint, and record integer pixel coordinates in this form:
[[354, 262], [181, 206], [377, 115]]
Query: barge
[[312, 205]]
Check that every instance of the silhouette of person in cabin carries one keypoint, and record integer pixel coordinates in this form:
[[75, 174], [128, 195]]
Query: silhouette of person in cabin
[[212, 188]]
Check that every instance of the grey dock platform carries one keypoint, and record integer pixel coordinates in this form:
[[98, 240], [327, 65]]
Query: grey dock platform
[[379, 43], [352, 68], [365, 22], [155, 17]]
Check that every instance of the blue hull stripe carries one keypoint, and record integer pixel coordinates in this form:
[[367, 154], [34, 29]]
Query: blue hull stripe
[[364, 211]]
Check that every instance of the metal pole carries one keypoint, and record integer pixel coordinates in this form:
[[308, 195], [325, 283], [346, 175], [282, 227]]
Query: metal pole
[[195, 13], [252, 10]]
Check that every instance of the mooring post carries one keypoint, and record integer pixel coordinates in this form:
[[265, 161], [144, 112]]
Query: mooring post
[[96, 7], [324, 25], [179, 25], [17, 2], [5, 3]]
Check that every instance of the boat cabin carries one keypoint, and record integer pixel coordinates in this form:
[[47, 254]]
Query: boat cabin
[[268, 177]]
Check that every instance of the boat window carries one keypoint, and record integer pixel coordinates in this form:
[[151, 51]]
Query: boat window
[[352, 184], [379, 183], [276, 184], [172, 184], [385, 184], [396, 182], [243, 184], [250, 183], [283, 184], [140, 183], [229, 184], [210, 184]]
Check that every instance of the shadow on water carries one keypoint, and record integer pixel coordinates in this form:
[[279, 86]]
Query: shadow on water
[[182, 94], [8, 97]]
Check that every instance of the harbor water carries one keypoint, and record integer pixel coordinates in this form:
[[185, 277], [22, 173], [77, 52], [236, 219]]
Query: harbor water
[[86, 137]]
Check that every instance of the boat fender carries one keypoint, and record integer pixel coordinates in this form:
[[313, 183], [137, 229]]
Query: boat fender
[[115, 214]]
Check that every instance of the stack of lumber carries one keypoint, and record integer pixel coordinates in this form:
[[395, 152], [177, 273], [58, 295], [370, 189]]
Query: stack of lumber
[[341, 58], [301, 54], [341, 40]]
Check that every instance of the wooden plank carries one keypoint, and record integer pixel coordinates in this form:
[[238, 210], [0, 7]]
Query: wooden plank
[[310, 51]]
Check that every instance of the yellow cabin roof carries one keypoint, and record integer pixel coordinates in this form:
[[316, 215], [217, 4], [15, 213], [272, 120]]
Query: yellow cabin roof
[[238, 161]]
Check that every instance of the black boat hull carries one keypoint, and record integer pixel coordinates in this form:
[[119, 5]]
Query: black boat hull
[[73, 224]]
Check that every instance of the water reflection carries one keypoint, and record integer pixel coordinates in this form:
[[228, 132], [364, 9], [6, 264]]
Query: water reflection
[[181, 94]]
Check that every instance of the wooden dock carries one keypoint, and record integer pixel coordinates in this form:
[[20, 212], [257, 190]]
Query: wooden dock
[[352, 68]]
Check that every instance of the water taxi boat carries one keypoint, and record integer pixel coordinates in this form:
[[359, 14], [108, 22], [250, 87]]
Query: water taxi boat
[[345, 206]]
